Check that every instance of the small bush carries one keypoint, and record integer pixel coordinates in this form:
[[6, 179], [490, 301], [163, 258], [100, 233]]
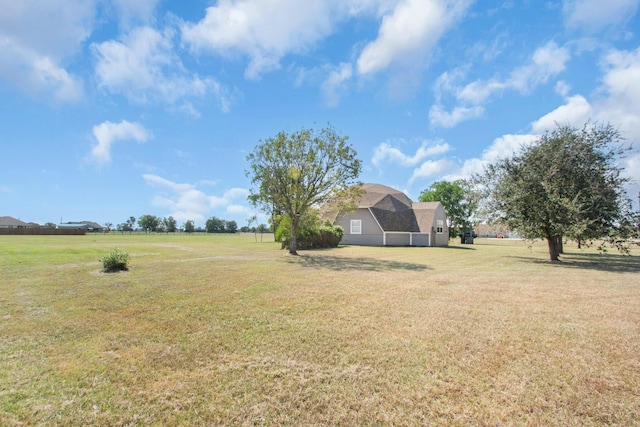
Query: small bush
[[116, 260], [324, 236], [313, 233]]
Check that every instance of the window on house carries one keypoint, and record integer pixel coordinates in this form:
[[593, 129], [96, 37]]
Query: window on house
[[439, 226], [356, 226]]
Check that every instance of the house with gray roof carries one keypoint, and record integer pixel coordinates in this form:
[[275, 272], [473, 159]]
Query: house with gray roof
[[90, 226], [387, 217], [10, 222]]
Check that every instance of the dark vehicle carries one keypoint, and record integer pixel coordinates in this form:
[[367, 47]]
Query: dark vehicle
[[467, 237]]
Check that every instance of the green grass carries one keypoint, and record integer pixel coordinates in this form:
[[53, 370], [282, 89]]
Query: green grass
[[223, 330]]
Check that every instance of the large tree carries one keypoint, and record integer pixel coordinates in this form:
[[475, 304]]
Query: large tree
[[149, 223], [231, 227], [131, 222], [292, 172], [215, 225], [189, 226], [170, 224], [568, 184], [459, 200]]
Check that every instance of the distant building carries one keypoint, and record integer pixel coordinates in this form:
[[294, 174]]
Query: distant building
[[495, 230], [10, 222], [89, 226]]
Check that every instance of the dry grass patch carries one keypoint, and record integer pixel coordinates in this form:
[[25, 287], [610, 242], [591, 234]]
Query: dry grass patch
[[212, 330]]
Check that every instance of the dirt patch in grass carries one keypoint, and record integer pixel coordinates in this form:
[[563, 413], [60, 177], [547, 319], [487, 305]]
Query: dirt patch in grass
[[102, 273]]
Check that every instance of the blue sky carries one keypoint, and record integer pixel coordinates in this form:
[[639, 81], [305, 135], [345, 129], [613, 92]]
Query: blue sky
[[119, 108]]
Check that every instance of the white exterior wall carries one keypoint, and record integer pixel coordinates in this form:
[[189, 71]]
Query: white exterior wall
[[440, 239]]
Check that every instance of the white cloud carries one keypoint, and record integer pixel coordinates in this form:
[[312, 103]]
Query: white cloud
[[546, 62], [621, 85], [431, 168], [186, 202], [236, 193], [385, 152], [594, 15], [334, 86], [189, 109], [448, 82], [35, 40], [263, 30], [132, 11], [562, 88], [477, 92], [107, 133], [441, 118], [162, 182], [64, 86], [183, 201], [409, 32], [631, 167], [506, 145], [575, 112], [502, 147], [144, 68], [37, 74], [55, 28], [238, 210], [616, 100], [188, 205]]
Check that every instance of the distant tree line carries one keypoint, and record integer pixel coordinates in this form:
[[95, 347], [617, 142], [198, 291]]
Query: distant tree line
[[217, 225], [155, 224]]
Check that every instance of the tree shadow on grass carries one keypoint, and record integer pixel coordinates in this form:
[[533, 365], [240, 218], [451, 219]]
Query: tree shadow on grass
[[364, 264], [613, 263], [464, 248]]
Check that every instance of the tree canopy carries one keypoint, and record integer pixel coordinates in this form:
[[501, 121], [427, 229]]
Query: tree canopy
[[567, 184], [149, 223], [292, 172], [459, 200], [189, 226], [217, 225], [170, 224]]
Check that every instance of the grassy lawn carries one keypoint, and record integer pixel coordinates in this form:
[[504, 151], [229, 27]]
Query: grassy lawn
[[224, 330]]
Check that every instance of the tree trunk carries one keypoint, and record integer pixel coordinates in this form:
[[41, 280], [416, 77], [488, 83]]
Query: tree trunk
[[560, 244], [554, 250], [293, 243]]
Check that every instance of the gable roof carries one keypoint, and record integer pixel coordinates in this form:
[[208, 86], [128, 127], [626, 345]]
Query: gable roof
[[394, 211], [381, 196], [425, 214], [7, 221]]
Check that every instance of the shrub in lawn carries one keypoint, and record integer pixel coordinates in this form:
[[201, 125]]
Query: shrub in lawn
[[313, 233], [116, 260]]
